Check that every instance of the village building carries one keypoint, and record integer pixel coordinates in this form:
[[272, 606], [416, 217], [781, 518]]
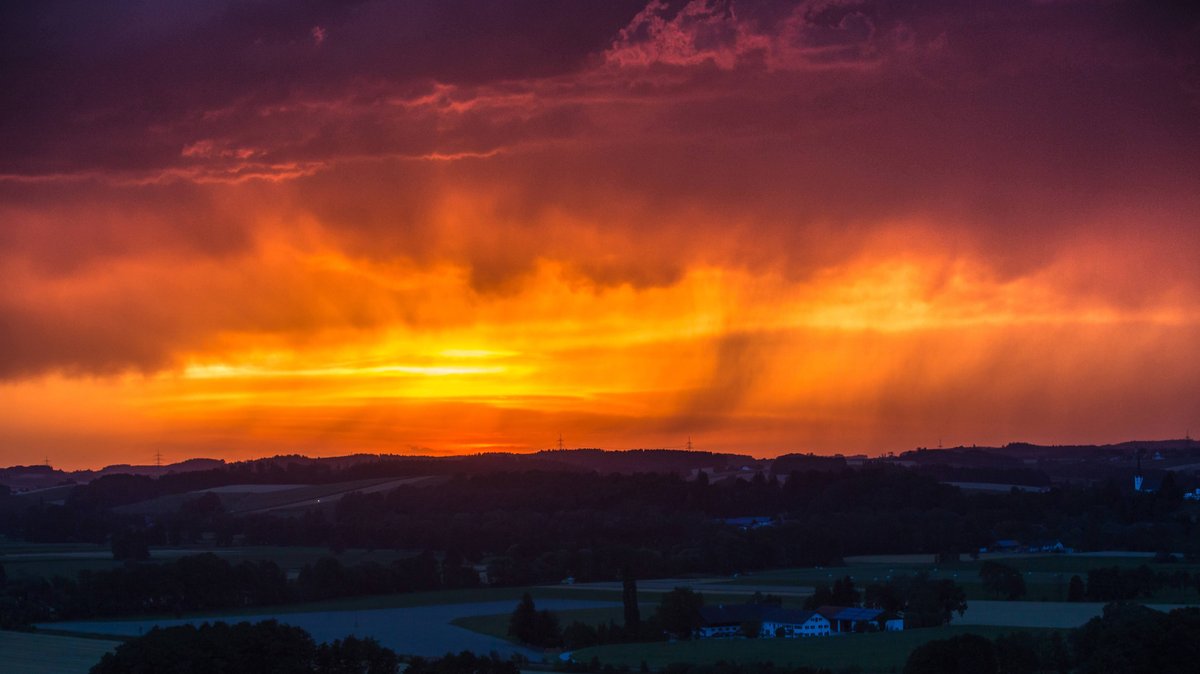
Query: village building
[[849, 619], [768, 621]]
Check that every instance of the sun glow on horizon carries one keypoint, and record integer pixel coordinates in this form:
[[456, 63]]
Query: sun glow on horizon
[[847, 230]]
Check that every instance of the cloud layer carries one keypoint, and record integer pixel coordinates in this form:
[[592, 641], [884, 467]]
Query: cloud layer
[[825, 225]]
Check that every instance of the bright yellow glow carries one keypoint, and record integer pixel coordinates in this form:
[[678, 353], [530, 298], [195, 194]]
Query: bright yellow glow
[[382, 356]]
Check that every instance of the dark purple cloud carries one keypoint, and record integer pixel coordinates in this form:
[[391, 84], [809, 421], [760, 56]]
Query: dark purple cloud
[[625, 140], [102, 85]]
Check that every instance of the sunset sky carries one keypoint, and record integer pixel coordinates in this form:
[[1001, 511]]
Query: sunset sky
[[238, 229]]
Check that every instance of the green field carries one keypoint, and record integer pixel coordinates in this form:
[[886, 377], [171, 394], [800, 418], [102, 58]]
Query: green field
[[38, 653], [401, 600], [1046, 576], [23, 560], [497, 625], [880, 652]]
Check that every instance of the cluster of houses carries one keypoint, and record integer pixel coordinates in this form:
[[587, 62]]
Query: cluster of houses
[[775, 622], [1010, 545]]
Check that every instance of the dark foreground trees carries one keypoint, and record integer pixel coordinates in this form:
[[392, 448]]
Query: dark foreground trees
[[925, 602], [1126, 639], [679, 612], [1002, 580], [531, 626], [1132, 638], [463, 663], [965, 654], [843, 593], [260, 648]]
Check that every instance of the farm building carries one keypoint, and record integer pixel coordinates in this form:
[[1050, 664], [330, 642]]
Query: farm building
[[844, 619], [749, 522], [769, 621]]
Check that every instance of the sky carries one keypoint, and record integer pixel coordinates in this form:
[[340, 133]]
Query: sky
[[239, 229]]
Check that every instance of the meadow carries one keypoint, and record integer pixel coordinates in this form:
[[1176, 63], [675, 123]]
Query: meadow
[[870, 653], [427, 630], [35, 653], [1046, 575], [46, 560], [497, 624]]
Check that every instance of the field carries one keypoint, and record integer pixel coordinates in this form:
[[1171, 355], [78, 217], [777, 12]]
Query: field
[[47, 560], [30, 653], [432, 622], [247, 499], [426, 630], [497, 624], [1046, 575], [880, 652]]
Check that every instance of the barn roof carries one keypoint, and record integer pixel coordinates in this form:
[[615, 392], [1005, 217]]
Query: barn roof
[[736, 614], [849, 613]]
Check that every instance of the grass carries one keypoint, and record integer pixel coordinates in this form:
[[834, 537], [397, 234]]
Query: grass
[[497, 625], [48, 560], [386, 601], [302, 496], [1046, 576], [878, 652], [40, 653], [295, 558]]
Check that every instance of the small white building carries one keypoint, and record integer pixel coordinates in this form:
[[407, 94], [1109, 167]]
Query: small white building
[[726, 621], [794, 624]]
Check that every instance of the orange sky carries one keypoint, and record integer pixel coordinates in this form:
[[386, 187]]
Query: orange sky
[[772, 227]]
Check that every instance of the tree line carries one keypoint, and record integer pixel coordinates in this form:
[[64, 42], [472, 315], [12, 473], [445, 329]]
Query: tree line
[[540, 526], [1125, 639], [266, 647], [923, 603], [208, 582]]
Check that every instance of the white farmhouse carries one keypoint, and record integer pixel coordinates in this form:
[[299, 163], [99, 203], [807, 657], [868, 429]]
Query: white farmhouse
[[769, 621]]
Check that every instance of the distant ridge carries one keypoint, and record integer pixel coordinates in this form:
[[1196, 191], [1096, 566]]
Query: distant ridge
[[1025, 462], [1026, 450], [649, 460]]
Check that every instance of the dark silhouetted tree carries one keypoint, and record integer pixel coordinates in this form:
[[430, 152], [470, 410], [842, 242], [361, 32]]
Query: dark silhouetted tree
[[1017, 653], [231, 649], [1002, 580], [463, 663], [965, 654], [844, 593], [1076, 590], [530, 626], [633, 616], [522, 622], [579, 635], [679, 612], [130, 545], [355, 656]]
